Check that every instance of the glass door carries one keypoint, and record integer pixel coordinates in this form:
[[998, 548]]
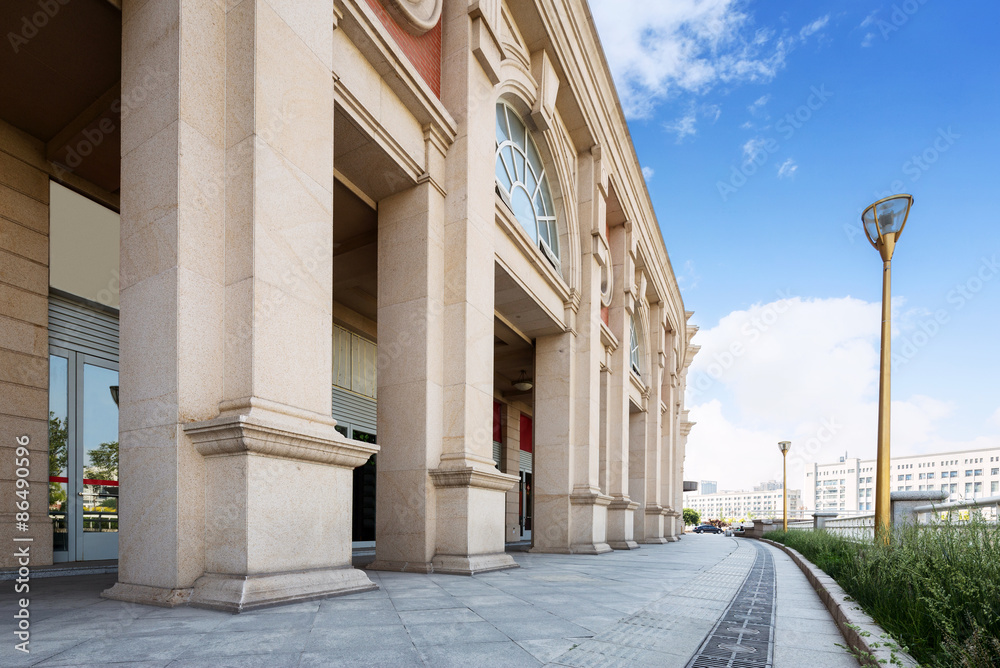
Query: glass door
[[83, 456]]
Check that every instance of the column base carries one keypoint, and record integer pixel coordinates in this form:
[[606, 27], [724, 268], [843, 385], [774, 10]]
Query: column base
[[237, 593], [146, 595], [582, 548], [654, 540], [623, 544], [400, 566], [671, 539], [457, 564], [449, 564]]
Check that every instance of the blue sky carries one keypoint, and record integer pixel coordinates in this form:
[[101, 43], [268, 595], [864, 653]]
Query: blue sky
[[764, 129]]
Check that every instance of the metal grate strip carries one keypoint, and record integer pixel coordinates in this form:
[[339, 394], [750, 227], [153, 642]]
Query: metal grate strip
[[744, 635]]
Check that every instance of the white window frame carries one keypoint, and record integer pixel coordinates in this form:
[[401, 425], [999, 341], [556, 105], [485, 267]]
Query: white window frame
[[539, 194], [635, 348]]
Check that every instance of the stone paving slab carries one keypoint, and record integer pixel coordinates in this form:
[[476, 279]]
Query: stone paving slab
[[651, 606]]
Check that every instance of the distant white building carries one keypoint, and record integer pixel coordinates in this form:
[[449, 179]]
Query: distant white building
[[743, 505], [708, 487], [849, 485]]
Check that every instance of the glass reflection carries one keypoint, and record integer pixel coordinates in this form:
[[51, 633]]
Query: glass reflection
[[58, 449], [100, 450]]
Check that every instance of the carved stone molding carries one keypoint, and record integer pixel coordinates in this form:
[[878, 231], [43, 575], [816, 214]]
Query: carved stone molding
[[234, 434], [414, 16], [472, 477]]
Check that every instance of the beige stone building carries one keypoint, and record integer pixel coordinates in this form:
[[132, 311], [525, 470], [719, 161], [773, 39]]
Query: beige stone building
[[350, 270]]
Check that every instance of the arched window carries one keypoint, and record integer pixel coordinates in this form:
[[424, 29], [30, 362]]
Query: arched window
[[634, 350], [523, 184]]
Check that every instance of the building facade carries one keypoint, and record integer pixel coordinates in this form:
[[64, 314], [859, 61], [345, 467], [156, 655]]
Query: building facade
[[744, 505], [307, 274], [708, 487], [849, 485]]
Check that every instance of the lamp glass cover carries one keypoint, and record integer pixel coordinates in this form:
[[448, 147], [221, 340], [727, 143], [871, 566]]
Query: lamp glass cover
[[870, 227], [892, 214]]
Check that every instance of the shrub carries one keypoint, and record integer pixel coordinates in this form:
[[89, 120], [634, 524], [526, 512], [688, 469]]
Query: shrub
[[935, 588]]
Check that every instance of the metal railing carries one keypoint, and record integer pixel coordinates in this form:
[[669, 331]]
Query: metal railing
[[989, 504]]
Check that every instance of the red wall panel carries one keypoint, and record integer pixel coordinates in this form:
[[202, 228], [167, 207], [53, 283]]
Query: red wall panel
[[424, 51]]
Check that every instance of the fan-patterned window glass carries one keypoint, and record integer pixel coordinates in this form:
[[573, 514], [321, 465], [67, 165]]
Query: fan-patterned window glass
[[634, 350], [523, 184]]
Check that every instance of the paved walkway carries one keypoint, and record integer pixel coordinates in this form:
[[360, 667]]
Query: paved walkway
[[657, 606]]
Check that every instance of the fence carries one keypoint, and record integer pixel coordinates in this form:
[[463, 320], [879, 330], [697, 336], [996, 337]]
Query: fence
[[922, 508]]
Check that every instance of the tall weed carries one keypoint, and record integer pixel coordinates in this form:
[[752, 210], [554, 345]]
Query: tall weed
[[935, 588]]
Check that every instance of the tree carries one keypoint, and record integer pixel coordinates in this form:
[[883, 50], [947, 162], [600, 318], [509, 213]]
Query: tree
[[58, 458], [103, 462], [691, 517]]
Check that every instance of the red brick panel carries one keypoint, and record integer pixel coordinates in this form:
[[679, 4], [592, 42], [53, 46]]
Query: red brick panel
[[424, 51]]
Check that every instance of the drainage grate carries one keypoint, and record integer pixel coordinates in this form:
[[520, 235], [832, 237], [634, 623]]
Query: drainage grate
[[744, 636]]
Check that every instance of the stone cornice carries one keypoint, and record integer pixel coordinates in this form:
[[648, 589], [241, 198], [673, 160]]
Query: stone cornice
[[282, 438], [473, 477], [623, 503], [589, 497]]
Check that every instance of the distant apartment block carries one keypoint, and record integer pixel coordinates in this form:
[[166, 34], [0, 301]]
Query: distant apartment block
[[743, 505], [708, 487], [849, 485]]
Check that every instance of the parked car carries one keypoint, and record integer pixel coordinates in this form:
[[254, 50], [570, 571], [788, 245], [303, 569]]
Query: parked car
[[707, 528]]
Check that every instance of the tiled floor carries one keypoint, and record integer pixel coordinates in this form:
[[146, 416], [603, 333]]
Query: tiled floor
[[651, 606]]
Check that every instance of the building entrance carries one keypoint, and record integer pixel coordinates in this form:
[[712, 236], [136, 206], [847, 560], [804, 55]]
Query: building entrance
[[83, 432]]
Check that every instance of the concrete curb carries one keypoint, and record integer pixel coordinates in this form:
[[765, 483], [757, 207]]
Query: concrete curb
[[858, 629]]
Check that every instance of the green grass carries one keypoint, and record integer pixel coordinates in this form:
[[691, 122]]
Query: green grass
[[936, 589]]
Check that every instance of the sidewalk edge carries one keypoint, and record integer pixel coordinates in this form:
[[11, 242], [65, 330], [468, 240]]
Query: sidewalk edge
[[857, 627]]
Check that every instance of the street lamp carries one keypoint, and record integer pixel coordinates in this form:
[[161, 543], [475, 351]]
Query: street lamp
[[884, 221], [784, 446]]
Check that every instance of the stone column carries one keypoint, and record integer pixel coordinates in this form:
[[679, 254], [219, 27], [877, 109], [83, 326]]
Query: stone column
[[249, 170], [621, 527], [512, 459], [589, 503], [171, 291], [469, 490], [411, 344], [652, 529], [668, 464]]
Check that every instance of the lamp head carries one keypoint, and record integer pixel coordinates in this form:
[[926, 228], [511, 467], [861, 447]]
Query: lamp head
[[523, 383], [884, 222], [784, 446]]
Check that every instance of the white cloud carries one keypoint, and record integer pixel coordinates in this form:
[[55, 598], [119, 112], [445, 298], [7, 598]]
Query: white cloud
[[787, 169], [684, 126], [804, 370], [647, 173], [747, 126], [688, 278], [814, 27], [757, 107], [752, 148], [868, 40], [869, 20], [657, 48]]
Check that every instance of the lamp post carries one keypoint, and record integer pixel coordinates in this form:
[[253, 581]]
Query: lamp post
[[784, 446], [884, 222]]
